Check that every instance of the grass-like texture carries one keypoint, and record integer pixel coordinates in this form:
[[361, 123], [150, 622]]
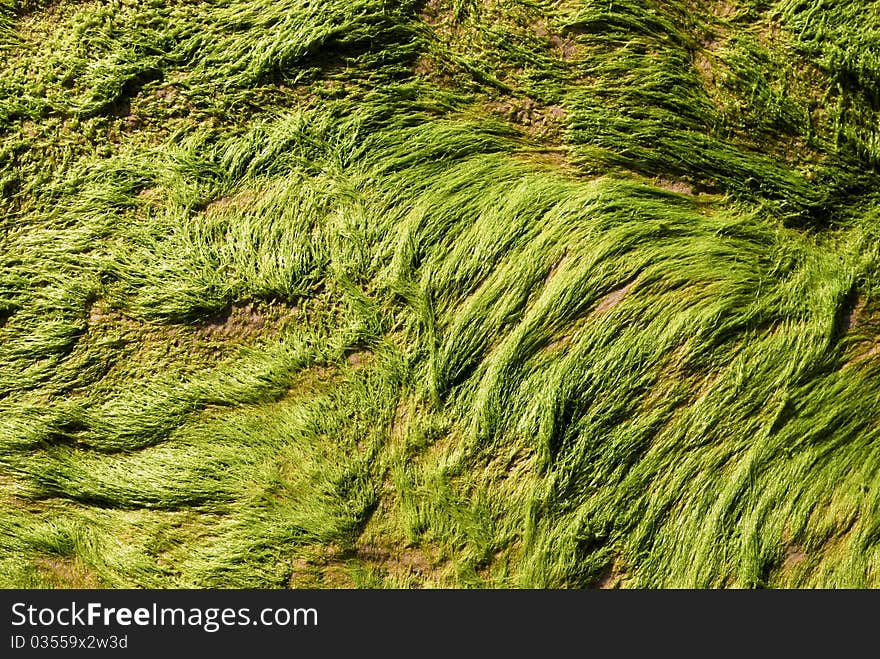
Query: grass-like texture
[[456, 293]]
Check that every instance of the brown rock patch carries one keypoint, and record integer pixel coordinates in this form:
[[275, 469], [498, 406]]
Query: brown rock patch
[[232, 202], [671, 185], [67, 572], [332, 566], [360, 358], [724, 8], [396, 560], [613, 577], [704, 67], [613, 298], [246, 319], [543, 122], [794, 556]]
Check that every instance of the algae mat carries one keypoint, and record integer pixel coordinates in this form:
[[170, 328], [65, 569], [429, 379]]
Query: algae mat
[[459, 294]]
